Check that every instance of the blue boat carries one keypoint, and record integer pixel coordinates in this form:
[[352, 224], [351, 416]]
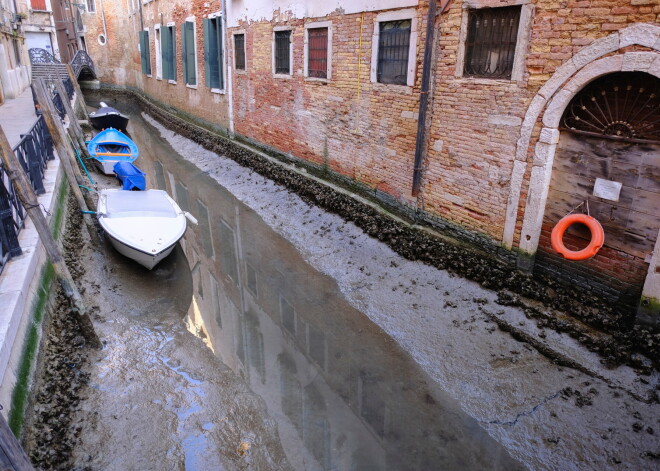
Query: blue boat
[[132, 178], [111, 146]]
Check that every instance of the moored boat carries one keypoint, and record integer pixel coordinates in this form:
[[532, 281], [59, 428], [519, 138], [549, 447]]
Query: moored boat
[[142, 225], [107, 117], [111, 146]]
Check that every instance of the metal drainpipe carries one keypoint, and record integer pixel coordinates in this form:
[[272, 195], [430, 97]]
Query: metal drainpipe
[[230, 70], [424, 94], [105, 29]]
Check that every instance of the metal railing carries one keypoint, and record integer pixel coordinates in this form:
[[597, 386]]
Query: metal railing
[[33, 151], [80, 61]]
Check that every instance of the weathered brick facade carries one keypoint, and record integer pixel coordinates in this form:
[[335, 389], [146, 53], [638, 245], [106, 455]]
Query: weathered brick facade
[[490, 145]]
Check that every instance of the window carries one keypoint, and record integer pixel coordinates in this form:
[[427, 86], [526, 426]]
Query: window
[[213, 53], [490, 44], [91, 6], [168, 49], [318, 40], [393, 50], [39, 5], [239, 51], [189, 53], [159, 52], [145, 57], [282, 52], [393, 55]]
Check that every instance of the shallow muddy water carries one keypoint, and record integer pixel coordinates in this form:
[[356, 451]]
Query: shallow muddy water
[[235, 353]]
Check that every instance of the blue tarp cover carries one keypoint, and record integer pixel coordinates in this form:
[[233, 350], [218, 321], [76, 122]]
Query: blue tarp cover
[[131, 176]]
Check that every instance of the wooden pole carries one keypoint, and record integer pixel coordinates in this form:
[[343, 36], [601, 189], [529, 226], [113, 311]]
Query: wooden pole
[[31, 204], [50, 105], [65, 151], [74, 126], [79, 95], [12, 455]]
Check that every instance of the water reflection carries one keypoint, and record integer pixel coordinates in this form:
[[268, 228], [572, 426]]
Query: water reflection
[[345, 397]]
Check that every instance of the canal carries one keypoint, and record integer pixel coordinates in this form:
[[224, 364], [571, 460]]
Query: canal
[[236, 353]]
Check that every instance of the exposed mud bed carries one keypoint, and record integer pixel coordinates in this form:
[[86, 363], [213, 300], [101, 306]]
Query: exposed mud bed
[[623, 341], [50, 436]]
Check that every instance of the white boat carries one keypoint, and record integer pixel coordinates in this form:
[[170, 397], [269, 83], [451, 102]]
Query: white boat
[[142, 225]]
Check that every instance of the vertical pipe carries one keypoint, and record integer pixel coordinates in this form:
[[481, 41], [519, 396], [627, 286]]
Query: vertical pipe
[[423, 99]]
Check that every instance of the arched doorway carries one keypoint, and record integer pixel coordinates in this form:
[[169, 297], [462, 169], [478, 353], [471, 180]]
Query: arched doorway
[[608, 157]]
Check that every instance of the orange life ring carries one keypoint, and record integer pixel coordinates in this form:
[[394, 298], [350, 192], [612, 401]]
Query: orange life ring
[[597, 237]]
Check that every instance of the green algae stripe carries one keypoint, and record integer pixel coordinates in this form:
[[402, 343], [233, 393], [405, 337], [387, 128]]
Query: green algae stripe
[[33, 335], [29, 354]]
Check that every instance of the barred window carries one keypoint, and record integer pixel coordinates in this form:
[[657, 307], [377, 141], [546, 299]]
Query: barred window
[[239, 51], [491, 42], [317, 65], [393, 50], [282, 52]]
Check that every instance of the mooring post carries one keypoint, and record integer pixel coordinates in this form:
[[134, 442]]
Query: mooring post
[[79, 95], [12, 455], [31, 204], [65, 151]]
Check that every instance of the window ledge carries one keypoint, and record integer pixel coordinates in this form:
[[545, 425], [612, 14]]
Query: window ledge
[[193, 87], [172, 82], [283, 76], [392, 88], [486, 80], [218, 91], [149, 75], [317, 80], [240, 71]]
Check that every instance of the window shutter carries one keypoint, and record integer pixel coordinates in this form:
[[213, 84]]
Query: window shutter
[[142, 59], [165, 52], [207, 65], [221, 61], [173, 54], [184, 50], [190, 54]]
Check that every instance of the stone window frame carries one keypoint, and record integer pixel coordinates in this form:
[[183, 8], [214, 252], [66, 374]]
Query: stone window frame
[[290, 74], [522, 39], [223, 68], [158, 52], [315, 25], [193, 20], [407, 14], [233, 45]]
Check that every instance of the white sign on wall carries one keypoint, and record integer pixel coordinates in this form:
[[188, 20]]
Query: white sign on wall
[[607, 189]]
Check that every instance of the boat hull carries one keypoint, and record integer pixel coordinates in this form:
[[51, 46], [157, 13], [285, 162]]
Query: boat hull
[[109, 147], [141, 225], [108, 117], [149, 261]]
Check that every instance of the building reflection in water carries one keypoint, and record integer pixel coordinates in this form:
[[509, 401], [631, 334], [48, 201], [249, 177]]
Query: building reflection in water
[[345, 397]]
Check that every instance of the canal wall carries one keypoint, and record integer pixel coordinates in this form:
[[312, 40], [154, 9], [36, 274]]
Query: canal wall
[[417, 239], [25, 286]]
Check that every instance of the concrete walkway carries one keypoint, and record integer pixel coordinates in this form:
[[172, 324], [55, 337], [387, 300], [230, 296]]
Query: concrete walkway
[[17, 116]]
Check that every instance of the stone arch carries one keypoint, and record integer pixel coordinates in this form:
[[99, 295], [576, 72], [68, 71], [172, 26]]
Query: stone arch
[[584, 67]]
